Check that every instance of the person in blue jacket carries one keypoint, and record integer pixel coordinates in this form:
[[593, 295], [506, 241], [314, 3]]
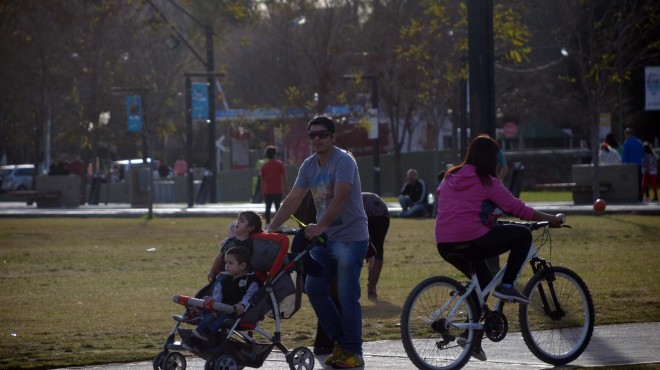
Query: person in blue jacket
[[633, 152]]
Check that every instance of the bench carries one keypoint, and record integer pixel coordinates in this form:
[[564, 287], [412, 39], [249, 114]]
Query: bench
[[572, 186], [33, 195], [582, 192]]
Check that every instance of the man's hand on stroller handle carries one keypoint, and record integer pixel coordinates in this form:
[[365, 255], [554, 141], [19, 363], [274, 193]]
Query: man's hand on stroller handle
[[311, 234], [313, 231]]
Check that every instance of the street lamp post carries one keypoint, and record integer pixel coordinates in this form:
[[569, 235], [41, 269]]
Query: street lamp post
[[210, 67]]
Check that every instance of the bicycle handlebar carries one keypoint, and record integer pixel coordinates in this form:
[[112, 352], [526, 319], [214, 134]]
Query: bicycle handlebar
[[532, 225]]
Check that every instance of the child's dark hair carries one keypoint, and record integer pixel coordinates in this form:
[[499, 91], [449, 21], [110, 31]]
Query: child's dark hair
[[253, 219], [241, 254]]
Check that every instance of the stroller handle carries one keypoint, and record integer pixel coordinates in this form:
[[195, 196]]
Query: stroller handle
[[199, 303]]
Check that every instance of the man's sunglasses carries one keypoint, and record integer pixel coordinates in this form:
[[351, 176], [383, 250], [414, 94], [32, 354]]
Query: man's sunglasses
[[319, 134]]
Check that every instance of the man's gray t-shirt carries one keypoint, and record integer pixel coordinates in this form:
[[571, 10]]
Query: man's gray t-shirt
[[351, 224]]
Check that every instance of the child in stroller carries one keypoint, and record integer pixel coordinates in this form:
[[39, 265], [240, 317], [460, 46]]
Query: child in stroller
[[247, 223], [235, 346], [236, 289]]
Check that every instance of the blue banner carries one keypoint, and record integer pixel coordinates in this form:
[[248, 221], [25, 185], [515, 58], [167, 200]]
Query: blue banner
[[134, 111], [200, 101]]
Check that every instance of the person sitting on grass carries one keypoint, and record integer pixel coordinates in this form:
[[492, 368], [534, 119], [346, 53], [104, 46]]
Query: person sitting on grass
[[235, 289], [413, 198]]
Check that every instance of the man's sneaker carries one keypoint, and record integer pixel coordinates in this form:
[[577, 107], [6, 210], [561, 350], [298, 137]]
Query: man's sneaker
[[477, 352], [336, 353], [510, 294], [348, 360], [200, 334]]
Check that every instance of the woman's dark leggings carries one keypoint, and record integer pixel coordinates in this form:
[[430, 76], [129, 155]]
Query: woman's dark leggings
[[500, 239]]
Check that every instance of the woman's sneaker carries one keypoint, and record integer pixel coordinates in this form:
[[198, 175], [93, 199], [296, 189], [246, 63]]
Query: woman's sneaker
[[347, 360], [477, 352], [510, 294]]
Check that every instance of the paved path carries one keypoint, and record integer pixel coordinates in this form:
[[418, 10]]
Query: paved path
[[18, 209], [611, 345]]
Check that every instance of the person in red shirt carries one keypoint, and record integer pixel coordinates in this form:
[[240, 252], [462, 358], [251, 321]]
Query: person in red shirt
[[180, 167], [273, 181]]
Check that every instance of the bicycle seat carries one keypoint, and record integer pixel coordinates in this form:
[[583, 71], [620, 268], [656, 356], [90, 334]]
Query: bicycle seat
[[461, 262]]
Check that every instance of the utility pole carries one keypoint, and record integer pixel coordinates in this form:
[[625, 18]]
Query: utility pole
[[210, 66], [481, 67]]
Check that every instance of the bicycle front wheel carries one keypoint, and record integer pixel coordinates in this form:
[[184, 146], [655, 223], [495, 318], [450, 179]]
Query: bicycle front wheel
[[558, 322], [428, 336]]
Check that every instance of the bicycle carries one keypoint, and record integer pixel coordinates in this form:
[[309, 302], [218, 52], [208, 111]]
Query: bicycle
[[556, 325]]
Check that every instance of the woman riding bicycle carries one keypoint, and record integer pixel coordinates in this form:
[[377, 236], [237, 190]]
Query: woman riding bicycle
[[469, 200]]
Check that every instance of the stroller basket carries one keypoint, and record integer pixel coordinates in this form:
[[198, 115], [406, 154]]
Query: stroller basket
[[249, 354]]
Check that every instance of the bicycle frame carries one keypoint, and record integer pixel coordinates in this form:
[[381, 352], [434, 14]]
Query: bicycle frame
[[473, 285]]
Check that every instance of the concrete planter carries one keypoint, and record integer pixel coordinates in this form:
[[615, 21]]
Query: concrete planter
[[621, 179]]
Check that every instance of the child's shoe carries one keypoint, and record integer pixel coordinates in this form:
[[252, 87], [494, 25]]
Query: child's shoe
[[201, 334], [188, 317]]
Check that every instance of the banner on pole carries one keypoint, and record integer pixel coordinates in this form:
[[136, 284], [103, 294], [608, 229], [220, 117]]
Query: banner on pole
[[652, 85], [200, 101], [134, 111]]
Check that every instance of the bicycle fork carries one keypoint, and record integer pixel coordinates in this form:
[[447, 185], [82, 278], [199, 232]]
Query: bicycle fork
[[540, 264]]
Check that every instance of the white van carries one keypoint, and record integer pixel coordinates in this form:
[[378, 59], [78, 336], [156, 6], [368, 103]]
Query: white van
[[16, 177]]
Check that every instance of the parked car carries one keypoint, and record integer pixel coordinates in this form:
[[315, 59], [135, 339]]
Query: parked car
[[16, 177]]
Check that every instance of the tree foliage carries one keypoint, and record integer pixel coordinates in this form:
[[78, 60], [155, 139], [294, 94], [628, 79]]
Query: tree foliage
[[62, 60]]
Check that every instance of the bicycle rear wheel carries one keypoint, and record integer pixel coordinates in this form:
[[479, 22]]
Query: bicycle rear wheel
[[428, 337], [557, 331]]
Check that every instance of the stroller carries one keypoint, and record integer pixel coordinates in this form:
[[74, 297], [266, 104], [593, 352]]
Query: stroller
[[234, 347]]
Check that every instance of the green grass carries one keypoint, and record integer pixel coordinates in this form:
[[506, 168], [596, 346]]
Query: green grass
[[546, 196], [90, 291], [526, 196]]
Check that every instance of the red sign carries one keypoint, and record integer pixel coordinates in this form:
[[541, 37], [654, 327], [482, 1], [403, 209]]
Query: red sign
[[510, 130]]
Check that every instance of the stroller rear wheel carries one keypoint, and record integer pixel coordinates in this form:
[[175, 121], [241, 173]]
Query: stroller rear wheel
[[222, 362], [300, 358]]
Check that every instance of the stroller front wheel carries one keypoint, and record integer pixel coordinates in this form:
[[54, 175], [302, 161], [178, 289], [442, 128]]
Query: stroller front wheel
[[158, 360], [173, 361], [300, 358]]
